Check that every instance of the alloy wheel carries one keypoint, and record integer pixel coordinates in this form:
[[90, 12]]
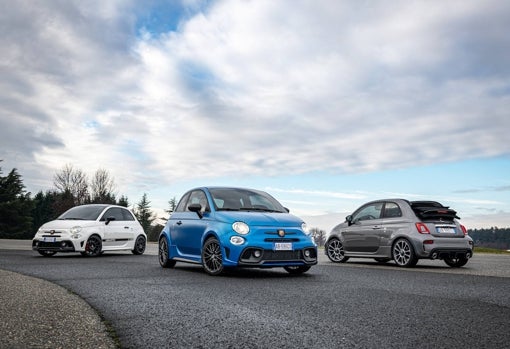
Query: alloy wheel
[[403, 253], [212, 258], [335, 251], [164, 261], [93, 246], [139, 247]]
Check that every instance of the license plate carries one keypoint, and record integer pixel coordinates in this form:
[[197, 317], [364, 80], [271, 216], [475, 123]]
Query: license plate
[[283, 246], [49, 239], [445, 230]]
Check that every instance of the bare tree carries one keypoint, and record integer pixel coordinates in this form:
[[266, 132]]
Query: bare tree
[[73, 181], [319, 236], [102, 188]]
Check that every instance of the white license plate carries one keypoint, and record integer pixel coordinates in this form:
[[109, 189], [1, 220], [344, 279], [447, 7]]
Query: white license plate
[[49, 239], [445, 230], [283, 246]]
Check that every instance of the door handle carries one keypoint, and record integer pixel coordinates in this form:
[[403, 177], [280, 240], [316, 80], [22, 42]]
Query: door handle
[[126, 227], [376, 227], [179, 223]]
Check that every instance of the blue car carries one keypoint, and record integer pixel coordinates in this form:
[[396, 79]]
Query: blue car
[[221, 227]]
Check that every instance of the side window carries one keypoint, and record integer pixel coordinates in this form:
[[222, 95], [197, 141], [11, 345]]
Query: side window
[[113, 212], [181, 206], [372, 211], [127, 215], [391, 210], [198, 197]]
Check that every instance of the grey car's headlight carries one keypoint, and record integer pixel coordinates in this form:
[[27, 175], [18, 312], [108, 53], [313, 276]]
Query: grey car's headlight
[[305, 228], [241, 228]]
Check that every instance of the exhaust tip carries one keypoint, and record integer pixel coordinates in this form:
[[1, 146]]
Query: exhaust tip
[[434, 255], [469, 255]]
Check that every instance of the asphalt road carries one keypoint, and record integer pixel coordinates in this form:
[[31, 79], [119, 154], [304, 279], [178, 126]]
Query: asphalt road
[[354, 305]]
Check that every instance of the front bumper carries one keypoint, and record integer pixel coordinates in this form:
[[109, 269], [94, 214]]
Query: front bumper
[[258, 257], [55, 246]]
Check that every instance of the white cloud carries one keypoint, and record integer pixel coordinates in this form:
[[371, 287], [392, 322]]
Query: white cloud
[[251, 88]]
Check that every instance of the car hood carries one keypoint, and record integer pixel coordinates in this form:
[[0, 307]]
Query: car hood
[[68, 224], [260, 218]]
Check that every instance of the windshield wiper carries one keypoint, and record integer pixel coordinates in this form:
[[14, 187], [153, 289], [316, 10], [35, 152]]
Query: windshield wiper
[[227, 209], [258, 209], [71, 219]]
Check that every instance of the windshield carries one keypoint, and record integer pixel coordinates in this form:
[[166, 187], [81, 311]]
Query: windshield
[[233, 199], [85, 213]]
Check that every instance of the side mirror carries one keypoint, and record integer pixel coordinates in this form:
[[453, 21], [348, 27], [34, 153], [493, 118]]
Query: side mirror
[[348, 219], [286, 209], [108, 220], [197, 208]]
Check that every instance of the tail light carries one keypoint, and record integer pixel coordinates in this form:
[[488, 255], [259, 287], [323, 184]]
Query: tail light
[[422, 228], [464, 230]]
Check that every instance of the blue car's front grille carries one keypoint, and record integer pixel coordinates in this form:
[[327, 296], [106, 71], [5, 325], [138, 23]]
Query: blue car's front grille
[[281, 255]]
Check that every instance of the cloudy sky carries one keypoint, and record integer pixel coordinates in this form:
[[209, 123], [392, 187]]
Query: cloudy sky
[[325, 104]]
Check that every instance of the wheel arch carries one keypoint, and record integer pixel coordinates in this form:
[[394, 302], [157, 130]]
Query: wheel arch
[[415, 245]]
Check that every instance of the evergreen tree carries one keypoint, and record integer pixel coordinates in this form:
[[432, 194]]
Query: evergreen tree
[[172, 205], [43, 209], [123, 201], [15, 207], [144, 214]]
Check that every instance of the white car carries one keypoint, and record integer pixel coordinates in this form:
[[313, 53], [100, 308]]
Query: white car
[[91, 230]]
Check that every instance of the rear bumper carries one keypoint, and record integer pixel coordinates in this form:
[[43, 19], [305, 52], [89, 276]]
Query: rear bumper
[[439, 253]]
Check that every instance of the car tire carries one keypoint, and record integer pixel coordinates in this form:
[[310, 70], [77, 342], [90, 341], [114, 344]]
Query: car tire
[[456, 262], [140, 244], [47, 253], [403, 253], [164, 260], [93, 246], [297, 269], [212, 259], [335, 251]]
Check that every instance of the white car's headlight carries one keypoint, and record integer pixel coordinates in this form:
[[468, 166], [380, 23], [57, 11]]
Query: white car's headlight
[[241, 228], [75, 232], [305, 228]]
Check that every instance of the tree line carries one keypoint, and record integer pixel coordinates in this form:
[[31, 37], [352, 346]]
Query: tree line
[[494, 237], [21, 215]]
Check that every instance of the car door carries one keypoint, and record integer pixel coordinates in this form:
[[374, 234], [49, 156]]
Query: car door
[[117, 231], [187, 227], [363, 234]]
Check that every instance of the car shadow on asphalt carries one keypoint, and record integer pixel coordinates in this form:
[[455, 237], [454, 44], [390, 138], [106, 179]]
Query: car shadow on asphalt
[[243, 273], [392, 266]]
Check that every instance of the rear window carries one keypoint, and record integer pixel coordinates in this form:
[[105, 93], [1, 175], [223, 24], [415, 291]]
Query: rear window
[[433, 210]]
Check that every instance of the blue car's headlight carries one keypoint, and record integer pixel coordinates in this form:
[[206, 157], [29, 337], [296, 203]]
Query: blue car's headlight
[[305, 228], [241, 228]]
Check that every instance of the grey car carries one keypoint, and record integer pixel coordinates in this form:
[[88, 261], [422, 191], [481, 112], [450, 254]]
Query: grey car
[[403, 231]]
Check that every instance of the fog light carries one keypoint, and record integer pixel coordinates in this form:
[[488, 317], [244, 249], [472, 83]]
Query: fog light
[[236, 240], [307, 253], [63, 244], [257, 253]]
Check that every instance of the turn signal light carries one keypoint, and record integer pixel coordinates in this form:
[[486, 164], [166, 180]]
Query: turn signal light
[[422, 228]]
